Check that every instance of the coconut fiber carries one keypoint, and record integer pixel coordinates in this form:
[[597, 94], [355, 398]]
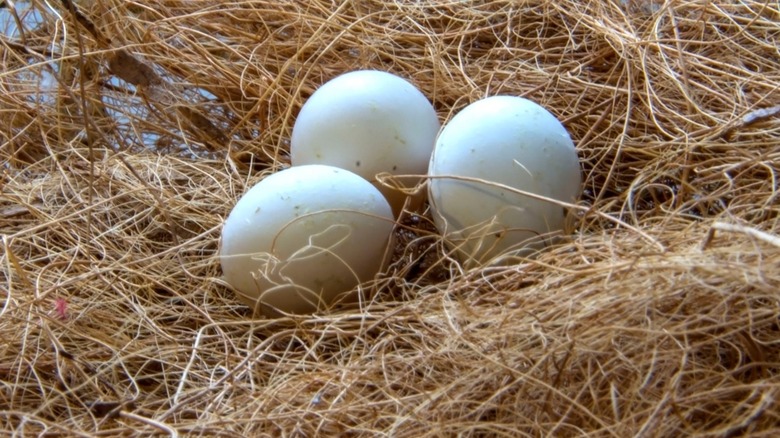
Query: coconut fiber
[[128, 130]]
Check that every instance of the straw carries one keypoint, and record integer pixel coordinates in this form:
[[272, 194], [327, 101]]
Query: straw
[[128, 130]]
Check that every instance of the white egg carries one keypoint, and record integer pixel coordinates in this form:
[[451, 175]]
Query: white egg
[[514, 142], [367, 122], [303, 237]]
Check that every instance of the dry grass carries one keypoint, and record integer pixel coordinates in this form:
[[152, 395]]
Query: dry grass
[[126, 139]]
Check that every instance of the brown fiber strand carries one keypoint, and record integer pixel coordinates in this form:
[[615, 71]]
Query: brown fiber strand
[[658, 316]]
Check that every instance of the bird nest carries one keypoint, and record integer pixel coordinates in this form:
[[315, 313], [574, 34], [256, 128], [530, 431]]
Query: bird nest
[[128, 131]]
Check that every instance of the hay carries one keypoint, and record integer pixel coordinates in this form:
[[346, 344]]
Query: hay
[[129, 129]]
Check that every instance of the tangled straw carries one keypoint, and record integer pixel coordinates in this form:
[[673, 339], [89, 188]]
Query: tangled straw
[[129, 129]]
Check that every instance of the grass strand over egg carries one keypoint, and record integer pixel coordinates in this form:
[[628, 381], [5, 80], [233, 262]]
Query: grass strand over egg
[[657, 317]]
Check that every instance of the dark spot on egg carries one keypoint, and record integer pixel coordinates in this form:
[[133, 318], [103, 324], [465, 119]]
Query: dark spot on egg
[[357, 163]]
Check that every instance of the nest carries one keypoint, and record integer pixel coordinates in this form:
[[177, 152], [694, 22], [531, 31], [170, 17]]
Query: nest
[[129, 129]]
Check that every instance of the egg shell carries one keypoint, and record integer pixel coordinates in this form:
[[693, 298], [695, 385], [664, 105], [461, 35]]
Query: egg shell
[[302, 237], [367, 122], [510, 141]]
